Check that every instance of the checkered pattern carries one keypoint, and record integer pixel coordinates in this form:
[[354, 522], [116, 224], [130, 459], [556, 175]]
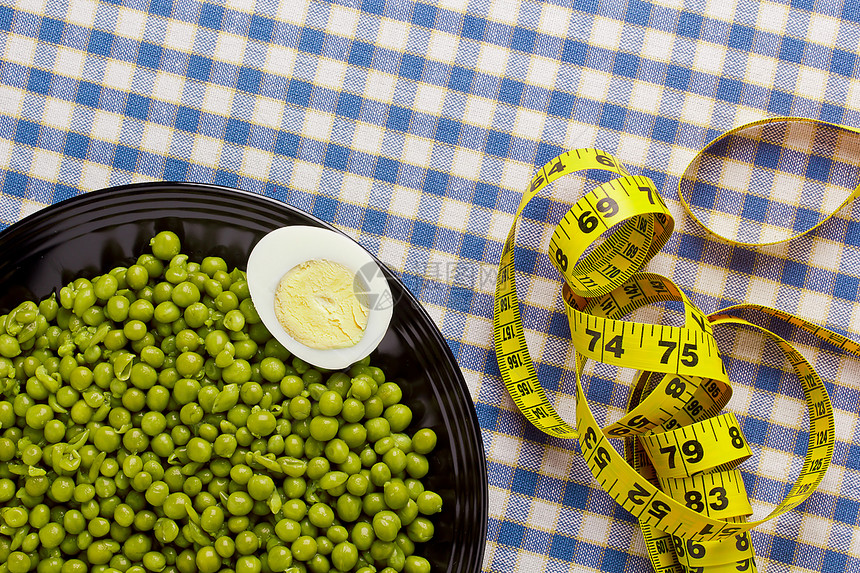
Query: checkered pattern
[[414, 126]]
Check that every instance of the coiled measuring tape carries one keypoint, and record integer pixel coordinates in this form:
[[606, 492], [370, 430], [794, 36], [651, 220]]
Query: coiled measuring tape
[[679, 473]]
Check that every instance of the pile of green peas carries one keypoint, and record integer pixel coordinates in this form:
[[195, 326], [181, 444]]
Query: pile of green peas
[[150, 423]]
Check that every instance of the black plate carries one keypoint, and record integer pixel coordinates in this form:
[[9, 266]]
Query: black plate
[[92, 233]]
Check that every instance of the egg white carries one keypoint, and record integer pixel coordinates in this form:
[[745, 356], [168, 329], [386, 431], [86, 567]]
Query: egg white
[[284, 248]]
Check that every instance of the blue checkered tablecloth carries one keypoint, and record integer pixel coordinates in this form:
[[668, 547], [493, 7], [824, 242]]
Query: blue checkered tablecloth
[[415, 126]]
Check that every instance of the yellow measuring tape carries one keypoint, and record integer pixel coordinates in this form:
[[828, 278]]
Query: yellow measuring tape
[[679, 473]]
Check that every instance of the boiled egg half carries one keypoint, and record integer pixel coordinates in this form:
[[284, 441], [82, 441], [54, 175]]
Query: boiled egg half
[[320, 294]]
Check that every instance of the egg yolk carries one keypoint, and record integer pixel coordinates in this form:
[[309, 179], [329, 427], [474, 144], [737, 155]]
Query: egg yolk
[[316, 303]]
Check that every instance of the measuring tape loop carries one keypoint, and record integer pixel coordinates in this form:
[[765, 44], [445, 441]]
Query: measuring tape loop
[[833, 338], [639, 290], [716, 147], [660, 407], [597, 332], [637, 223], [517, 369], [678, 475], [710, 444], [736, 554], [679, 400], [632, 491], [822, 433], [720, 495]]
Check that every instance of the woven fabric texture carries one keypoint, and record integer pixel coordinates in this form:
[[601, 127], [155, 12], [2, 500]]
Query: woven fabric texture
[[415, 126]]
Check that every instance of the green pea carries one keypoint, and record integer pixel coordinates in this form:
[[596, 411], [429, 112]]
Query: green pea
[[397, 559], [424, 441], [210, 265], [383, 445], [165, 245], [198, 450], [403, 442], [237, 372], [246, 306], [352, 410], [362, 535], [261, 487], [224, 547], [141, 310], [291, 386], [134, 329], [246, 350], [408, 512], [354, 435], [189, 364], [248, 564], [212, 518], [18, 562], [136, 276], [399, 416], [429, 502], [185, 294], [38, 416], [396, 494], [299, 407], [304, 548], [361, 388], [321, 515], [295, 509], [373, 407], [294, 487], [135, 440], [390, 393], [377, 428], [417, 465], [234, 320], [416, 564], [196, 314], [167, 311], [83, 493], [386, 524], [14, 516], [240, 503], [357, 484], [261, 423], [207, 560], [395, 459], [117, 308], [368, 456], [279, 558], [420, 530], [225, 445], [240, 287], [323, 428], [100, 552], [98, 527], [247, 542], [154, 561], [288, 530], [348, 507], [272, 369], [351, 465], [226, 301], [317, 467]]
